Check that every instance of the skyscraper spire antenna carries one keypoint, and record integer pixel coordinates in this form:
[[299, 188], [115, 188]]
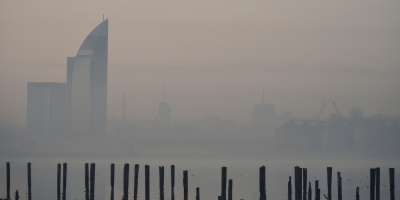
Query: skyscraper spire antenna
[[164, 93], [263, 96], [103, 17], [124, 108]]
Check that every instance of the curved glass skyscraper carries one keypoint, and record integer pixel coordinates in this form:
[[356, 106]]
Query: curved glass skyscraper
[[87, 84]]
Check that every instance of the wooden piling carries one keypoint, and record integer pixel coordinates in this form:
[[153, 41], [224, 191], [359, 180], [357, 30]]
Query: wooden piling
[[58, 181], [223, 183], [64, 194], [197, 193], [185, 185], [263, 193], [16, 195], [112, 178], [87, 181], [8, 180], [317, 191], [391, 182], [135, 187], [378, 183], [304, 183], [290, 188], [92, 179], [372, 184], [297, 182], [309, 191], [147, 182], [230, 188], [172, 182], [126, 181], [357, 193], [29, 182], [329, 173], [161, 181], [339, 185]]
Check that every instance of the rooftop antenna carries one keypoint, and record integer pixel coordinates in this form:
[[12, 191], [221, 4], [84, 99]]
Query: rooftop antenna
[[263, 96], [103, 17], [164, 93], [124, 107]]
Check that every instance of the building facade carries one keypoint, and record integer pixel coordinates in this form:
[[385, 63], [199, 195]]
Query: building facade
[[46, 108], [87, 84]]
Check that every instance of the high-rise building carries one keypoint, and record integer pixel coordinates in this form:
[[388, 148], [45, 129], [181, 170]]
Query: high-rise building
[[264, 117], [87, 84], [45, 108], [164, 114]]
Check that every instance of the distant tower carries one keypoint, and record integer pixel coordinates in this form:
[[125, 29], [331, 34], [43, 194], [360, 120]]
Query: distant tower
[[46, 108], [87, 84], [164, 113], [124, 109], [263, 117]]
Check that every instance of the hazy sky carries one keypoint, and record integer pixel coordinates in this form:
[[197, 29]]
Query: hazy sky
[[215, 56]]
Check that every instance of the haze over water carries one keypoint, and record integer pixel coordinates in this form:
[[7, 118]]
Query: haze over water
[[228, 74]]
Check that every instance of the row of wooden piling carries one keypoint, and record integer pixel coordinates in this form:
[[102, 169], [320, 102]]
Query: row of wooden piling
[[301, 180], [300, 183]]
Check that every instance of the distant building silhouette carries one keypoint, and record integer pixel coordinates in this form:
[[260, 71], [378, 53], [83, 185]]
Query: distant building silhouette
[[264, 118], [164, 114], [46, 108], [87, 84]]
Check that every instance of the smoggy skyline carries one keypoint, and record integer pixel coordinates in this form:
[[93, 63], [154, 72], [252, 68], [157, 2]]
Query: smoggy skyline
[[214, 57]]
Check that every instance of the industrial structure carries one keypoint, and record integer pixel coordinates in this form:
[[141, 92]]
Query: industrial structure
[[355, 133]]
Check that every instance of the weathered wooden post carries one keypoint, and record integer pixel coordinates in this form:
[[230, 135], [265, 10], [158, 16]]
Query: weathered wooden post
[[8, 180], [263, 193], [230, 188], [147, 181], [126, 181], [87, 181], [339, 185], [357, 193], [317, 191], [161, 181], [297, 182], [135, 187], [223, 183], [185, 185], [309, 191], [197, 193], [16, 195], [112, 178], [391, 182], [329, 171], [29, 182], [290, 188], [172, 182], [64, 194], [304, 183], [92, 179], [372, 184], [58, 181], [378, 183]]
